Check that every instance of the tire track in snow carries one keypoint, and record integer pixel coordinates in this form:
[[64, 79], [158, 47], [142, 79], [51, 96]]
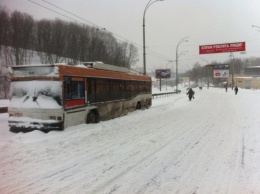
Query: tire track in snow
[[189, 146]]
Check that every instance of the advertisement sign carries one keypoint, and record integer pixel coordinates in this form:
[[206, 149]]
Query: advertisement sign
[[162, 73], [221, 66], [222, 48], [218, 73]]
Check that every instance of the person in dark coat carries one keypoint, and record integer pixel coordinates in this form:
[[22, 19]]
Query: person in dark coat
[[236, 90], [190, 93]]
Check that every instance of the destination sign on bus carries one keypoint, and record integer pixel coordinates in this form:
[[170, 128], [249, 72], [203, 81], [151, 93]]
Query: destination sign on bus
[[222, 48]]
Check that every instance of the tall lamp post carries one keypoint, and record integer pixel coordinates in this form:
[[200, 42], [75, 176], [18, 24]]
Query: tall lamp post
[[177, 56], [232, 62], [207, 66], [150, 2], [165, 69]]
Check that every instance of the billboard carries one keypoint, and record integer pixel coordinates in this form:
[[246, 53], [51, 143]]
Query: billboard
[[221, 66], [162, 73], [218, 73], [222, 48]]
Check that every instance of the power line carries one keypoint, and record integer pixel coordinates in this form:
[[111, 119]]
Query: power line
[[71, 13], [152, 52], [53, 11], [95, 25]]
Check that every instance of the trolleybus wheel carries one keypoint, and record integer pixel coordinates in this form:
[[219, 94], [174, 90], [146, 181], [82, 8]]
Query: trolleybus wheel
[[92, 117], [138, 106]]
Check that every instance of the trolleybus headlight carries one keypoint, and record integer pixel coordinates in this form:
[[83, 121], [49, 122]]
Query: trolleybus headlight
[[59, 118]]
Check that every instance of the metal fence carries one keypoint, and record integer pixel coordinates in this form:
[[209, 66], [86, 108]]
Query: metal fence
[[5, 109], [164, 94]]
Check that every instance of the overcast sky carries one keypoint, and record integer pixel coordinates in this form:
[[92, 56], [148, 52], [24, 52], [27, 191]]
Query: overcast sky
[[167, 22]]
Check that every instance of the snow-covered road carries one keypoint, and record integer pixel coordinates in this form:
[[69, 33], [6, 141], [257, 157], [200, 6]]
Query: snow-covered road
[[208, 145]]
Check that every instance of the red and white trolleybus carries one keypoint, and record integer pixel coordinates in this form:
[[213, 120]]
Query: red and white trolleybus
[[54, 97]]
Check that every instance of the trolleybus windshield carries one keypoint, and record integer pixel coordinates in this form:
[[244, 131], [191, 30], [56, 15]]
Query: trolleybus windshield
[[36, 94]]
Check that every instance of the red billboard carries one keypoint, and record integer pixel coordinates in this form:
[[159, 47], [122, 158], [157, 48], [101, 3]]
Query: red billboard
[[223, 48]]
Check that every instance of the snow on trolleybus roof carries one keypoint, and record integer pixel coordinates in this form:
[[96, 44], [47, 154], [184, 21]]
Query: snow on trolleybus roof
[[58, 69]]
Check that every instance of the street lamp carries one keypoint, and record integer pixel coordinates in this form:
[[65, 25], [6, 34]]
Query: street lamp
[[207, 67], [177, 56], [165, 69], [232, 61], [150, 2]]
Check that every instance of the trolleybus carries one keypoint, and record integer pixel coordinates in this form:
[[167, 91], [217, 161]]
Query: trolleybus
[[54, 97]]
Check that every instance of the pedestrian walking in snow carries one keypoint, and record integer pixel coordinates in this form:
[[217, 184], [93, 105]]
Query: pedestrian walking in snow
[[236, 90], [226, 85], [190, 93]]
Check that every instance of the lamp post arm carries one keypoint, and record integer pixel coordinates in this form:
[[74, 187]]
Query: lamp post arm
[[255, 26], [146, 7], [144, 54], [204, 60]]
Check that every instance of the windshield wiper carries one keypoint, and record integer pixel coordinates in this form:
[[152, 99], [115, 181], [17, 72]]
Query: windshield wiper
[[26, 98]]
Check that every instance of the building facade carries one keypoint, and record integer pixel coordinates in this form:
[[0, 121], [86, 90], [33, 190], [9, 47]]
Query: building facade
[[249, 80]]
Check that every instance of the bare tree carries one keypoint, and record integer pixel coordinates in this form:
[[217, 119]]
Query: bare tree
[[22, 33], [4, 81], [44, 41], [5, 37], [58, 40], [84, 36], [132, 55]]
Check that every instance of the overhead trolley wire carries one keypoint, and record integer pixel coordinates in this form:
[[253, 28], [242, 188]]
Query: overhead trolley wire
[[98, 27]]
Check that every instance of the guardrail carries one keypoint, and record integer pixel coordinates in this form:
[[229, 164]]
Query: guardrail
[[165, 94], [3, 109]]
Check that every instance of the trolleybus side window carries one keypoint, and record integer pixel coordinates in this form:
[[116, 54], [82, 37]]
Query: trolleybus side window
[[102, 90], [77, 90], [74, 91], [114, 89], [134, 88], [117, 89], [91, 90], [128, 89]]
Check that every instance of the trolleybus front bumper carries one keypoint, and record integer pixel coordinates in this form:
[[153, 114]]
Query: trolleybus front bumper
[[19, 126]]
